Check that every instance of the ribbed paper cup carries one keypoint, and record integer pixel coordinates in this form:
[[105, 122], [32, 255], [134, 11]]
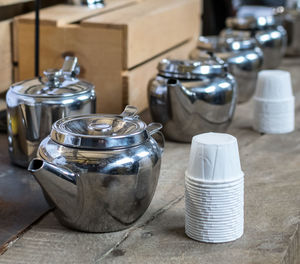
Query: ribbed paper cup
[[215, 185], [214, 189], [214, 157], [274, 85], [214, 215], [274, 103], [213, 238]]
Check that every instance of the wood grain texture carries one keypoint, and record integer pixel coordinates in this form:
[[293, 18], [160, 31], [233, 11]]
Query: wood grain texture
[[99, 57], [152, 27], [13, 2], [59, 15], [6, 68], [135, 81], [272, 211], [21, 199]]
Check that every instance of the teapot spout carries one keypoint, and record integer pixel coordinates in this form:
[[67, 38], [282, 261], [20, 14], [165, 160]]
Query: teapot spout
[[59, 185], [39, 168]]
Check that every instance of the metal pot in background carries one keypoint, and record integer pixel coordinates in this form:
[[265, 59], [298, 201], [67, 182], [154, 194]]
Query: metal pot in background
[[100, 171], [243, 56], [34, 105], [192, 97], [269, 34], [292, 25], [89, 3]]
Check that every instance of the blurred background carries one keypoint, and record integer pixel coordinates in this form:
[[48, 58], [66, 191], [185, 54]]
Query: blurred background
[[215, 12]]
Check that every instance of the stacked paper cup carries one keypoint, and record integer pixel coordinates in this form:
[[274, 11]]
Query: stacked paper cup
[[214, 189], [274, 103]]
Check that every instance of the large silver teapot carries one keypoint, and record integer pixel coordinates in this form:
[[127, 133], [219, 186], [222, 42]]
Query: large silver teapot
[[269, 34], [192, 97], [34, 105], [243, 56], [100, 171]]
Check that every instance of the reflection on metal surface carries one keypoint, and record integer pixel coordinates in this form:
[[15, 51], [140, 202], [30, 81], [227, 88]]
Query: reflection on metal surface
[[98, 189], [34, 105], [189, 101], [243, 56], [267, 31]]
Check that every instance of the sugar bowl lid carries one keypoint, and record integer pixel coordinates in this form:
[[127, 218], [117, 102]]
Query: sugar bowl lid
[[251, 22], [103, 131], [189, 69], [56, 83]]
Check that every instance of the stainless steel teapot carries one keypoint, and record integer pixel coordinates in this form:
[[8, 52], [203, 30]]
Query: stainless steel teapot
[[243, 56], [192, 97], [269, 34], [34, 105], [100, 171]]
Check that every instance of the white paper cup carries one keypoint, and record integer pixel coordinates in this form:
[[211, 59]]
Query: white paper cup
[[202, 214], [214, 184], [213, 238], [274, 107], [214, 228], [274, 103], [274, 85], [213, 189], [214, 157], [223, 200], [274, 124], [215, 233], [219, 219]]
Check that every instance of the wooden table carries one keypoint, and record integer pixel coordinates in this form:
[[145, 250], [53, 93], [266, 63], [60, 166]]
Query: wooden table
[[272, 211]]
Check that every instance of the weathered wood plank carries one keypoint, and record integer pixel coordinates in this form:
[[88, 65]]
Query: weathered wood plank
[[6, 68], [21, 199], [65, 14], [144, 24]]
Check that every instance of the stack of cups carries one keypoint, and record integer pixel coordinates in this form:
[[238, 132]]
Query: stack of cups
[[274, 103], [214, 189]]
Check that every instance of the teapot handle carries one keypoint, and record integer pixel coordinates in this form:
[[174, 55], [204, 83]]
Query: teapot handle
[[129, 111], [154, 128]]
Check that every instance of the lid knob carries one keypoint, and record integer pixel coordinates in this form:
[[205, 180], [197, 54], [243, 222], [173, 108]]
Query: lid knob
[[53, 77], [102, 127]]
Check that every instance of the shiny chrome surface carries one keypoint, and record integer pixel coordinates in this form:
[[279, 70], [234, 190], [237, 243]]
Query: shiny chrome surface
[[271, 38], [34, 105], [96, 190], [89, 3], [186, 107], [292, 25], [244, 59], [251, 22]]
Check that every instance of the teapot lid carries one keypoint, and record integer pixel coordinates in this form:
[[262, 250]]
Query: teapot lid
[[251, 22], [189, 69], [55, 83], [103, 131], [227, 43]]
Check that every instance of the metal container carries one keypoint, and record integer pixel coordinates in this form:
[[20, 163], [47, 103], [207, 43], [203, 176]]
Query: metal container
[[89, 3], [100, 171], [34, 105], [292, 25], [192, 97], [269, 34], [243, 56]]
